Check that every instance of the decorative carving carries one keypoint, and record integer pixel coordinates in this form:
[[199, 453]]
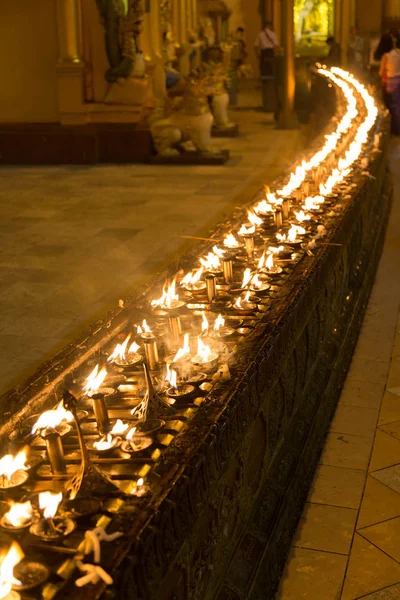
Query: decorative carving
[[122, 23]]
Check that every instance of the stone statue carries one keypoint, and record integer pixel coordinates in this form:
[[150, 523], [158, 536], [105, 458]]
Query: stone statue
[[218, 77], [122, 21], [303, 14], [189, 119]]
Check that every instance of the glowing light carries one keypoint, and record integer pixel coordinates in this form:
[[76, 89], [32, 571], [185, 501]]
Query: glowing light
[[94, 380], [48, 503]]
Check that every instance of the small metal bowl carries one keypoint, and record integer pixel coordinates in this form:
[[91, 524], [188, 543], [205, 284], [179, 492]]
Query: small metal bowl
[[83, 506], [63, 528], [136, 445], [31, 574], [182, 392], [16, 481], [149, 427], [116, 442]]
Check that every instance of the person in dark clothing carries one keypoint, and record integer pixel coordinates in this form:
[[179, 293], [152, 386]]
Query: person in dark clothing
[[385, 45], [334, 58]]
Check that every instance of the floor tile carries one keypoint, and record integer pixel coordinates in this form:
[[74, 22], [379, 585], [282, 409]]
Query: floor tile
[[355, 420], [390, 593], [390, 477], [365, 394], [386, 451], [390, 409], [312, 575], [327, 528], [386, 536], [337, 486], [344, 450], [394, 373], [392, 428], [369, 570], [378, 504]]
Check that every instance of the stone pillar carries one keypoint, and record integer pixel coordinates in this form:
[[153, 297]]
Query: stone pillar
[[287, 117], [70, 67], [182, 36], [338, 21], [155, 30], [345, 31], [391, 9]]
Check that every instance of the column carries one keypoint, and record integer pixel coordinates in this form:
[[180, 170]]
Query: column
[[182, 37], [391, 9], [155, 29], [194, 15], [287, 117], [69, 31], [345, 31], [338, 21], [70, 66]]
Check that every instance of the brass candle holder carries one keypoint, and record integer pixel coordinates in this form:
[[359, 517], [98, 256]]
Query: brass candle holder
[[151, 350], [101, 413], [54, 449], [211, 287]]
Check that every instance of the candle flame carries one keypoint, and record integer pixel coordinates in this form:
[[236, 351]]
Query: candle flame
[[219, 322], [253, 218], [264, 207], [276, 249], [105, 443], [230, 241], [183, 352], [192, 277], [246, 277], [168, 298], [204, 324], [247, 230], [13, 556], [256, 282], [94, 380], [301, 216], [219, 251], [49, 502], [52, 418], [130, 434], [211, 262], [9, 464], [204, 354], [143, 328], [20, 513], [119, 427]]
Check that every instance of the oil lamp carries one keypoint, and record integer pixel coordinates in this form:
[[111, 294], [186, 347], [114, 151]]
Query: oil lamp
[[105, 445], [211, 263], [220, 330], [54, 419], [169, 300], [135, 443], [206, 357], [244, 305], [126, 358], [9, 561], [50, 527], [181, 391], [13, 472], [18, 517], [192, 282], [267, 265]]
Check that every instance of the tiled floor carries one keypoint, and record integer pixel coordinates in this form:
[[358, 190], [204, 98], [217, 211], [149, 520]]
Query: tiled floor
[[347, 545], [73, 240]]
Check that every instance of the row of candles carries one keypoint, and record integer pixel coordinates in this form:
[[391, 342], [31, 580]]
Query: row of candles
[[224, 295]]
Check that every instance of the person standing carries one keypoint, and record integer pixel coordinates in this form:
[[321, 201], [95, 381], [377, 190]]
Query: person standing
[[390, 75], [266, 43]]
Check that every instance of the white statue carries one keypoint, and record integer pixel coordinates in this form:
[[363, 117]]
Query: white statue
[[303, 14]]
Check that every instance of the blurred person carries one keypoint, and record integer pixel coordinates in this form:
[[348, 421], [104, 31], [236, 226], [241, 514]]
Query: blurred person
[[390, 77], [239, 52], [266, 42], [334, 58]]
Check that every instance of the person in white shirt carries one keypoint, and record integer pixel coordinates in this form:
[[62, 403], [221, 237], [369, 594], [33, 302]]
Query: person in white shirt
[[266, 41], [390, 75]]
